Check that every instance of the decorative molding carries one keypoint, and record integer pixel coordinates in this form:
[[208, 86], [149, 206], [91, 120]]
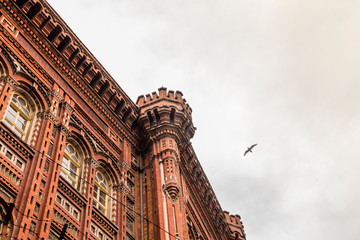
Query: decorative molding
[[14, 141], [65, 130], [73, 194], [68, 107], [172, 190], [48, 116], [9, 80], [122, 189], [124, 165], [91, 162], [104, 222], [56, 95]]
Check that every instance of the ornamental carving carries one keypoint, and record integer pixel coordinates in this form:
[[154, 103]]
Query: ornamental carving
[[64, 130], [9, 80], [56, 95], [124, 165], [122, 189], [91, 161], [48, 116], [68, 107], [172, 190]]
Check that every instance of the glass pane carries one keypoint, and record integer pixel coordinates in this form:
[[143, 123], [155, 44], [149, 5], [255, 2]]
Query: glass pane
[[21, 123], [14, 99], [7, 123], [70, 181], [74, 158], [102, 209], [26, 111], [18, 133], [70, 148], [99, 176], [73, 167], [65, 162], [102, 197], [11, 114], [22, 101]]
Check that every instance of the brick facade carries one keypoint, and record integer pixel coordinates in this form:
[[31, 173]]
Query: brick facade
[[78, 158]]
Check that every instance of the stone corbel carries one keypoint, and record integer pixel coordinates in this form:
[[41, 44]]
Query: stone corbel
[[122, 189], [68, 107], [123, 165], [91, 162], [9, 80], [172, 190], [48, 116], [65, 130], [56, 95]]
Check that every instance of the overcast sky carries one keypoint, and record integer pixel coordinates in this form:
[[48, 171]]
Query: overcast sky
[[280, 73]]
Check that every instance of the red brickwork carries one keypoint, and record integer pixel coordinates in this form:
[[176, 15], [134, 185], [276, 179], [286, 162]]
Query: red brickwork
[[77, 154]]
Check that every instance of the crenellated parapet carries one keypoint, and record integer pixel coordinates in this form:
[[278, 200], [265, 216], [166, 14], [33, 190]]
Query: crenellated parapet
[[164, 113], [171, 96], [236, 226]]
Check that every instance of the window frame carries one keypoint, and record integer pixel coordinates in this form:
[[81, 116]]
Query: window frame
[[97, 190], [18, 112], [66, 169]]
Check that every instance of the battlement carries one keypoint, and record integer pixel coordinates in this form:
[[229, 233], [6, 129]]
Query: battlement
[[235, 224], [164, 95]]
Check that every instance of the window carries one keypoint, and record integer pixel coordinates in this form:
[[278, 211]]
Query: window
[[17, 116], [100, 192], [70, 165], [53, 236], [129, 225], [32, 228], [99, 233], [68, 206]]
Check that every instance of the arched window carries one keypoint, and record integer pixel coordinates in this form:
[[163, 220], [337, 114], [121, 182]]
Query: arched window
[[100, 192], [70, 165], [18, 115]]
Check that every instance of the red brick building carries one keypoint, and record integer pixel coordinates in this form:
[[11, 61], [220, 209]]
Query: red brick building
[[79, 159]]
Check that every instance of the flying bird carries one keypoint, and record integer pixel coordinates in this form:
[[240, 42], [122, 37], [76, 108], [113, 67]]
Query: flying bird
[[249, 149]]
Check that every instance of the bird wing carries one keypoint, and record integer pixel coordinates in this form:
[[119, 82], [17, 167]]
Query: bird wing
[[246, 152], [253, 145]]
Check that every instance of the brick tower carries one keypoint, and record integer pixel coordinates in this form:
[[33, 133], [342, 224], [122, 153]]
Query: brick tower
[[166, 120]]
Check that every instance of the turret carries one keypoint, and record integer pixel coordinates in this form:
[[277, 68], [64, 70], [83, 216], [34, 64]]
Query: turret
[[166, 119], [236, 226]]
